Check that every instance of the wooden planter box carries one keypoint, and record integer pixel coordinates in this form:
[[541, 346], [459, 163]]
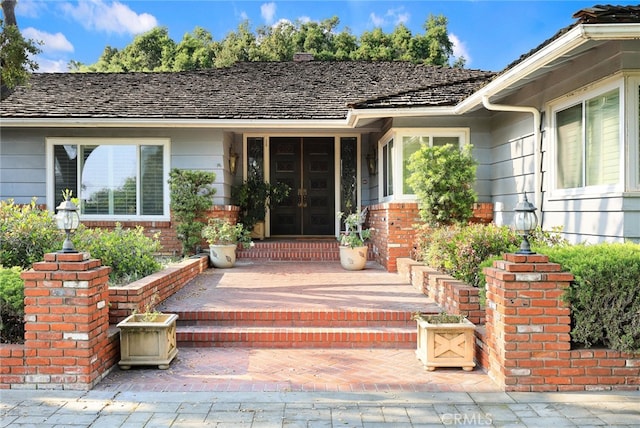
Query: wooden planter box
[[147, 343], [446, 345]]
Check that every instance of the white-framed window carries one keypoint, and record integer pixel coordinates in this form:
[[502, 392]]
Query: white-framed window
[[114, 178], [397, 146], [588, 132], [633, 130]]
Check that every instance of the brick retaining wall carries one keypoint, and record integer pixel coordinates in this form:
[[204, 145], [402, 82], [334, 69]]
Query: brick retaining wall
[[394, 233], [525, 343], [69, 342], [166, 230]]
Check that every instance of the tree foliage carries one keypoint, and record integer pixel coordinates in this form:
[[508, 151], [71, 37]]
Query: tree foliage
[[156, 51], [16, 52], [442, 178]]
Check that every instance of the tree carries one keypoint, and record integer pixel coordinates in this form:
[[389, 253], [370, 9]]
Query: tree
[[196, 51], [155, 51], [439, 47], [15, 52]]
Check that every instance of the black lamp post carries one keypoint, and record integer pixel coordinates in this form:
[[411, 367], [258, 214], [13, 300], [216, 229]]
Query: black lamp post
[[68, 220], [525, 221]]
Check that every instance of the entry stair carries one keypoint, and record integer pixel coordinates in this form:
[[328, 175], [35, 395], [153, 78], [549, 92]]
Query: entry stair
[[295, 327]]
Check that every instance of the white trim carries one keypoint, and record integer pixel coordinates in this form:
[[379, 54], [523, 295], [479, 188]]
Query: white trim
[[562, 46], [397, 135], [50, 142], [632, 117], [321, 124], [579, 97]]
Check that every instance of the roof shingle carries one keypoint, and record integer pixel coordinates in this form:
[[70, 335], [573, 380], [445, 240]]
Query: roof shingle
[[255, 90]]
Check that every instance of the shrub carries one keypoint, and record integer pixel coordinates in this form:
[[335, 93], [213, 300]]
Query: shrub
[[129, 253], [605, 295], [11, 305], [191, 197], [27, 233], [442, 178], [459, 250]]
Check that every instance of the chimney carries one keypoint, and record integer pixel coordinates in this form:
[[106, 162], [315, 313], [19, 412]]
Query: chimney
[[302, 57]]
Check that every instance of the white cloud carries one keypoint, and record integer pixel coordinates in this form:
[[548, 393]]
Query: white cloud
[[268, 12], [244, 16], [29, 9], [395, 16], [304, 19], [376, 20], [460, 49], [51, 66], [51, 42], [109, 17]]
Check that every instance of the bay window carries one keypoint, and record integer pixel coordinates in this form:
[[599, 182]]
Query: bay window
[[112, 178], [408, 141]]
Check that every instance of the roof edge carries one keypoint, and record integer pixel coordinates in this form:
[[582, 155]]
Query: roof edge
[[572, 39]]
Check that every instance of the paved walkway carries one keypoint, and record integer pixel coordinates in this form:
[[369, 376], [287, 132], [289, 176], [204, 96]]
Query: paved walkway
[[112, 409], [240, 387]]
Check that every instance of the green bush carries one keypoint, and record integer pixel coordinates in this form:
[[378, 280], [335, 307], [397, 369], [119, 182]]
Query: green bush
[[605, 295], [442, 178], [27, 233], [11, 305], [129, 253], [459, 250], [191, 196]]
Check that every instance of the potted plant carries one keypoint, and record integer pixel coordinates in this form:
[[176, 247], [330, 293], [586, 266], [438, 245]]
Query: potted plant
[[148, 338], [223, 238], [445, 340], [255, 197], [353, 250]]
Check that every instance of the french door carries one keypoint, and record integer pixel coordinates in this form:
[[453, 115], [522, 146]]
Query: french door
[[306, 164]]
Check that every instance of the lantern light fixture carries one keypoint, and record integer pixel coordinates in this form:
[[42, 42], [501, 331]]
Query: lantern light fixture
[[372, 162], [233, 161], [67, 219], [525, 222]]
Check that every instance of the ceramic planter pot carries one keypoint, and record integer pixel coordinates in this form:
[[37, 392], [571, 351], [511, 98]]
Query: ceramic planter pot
[[353, 258], [147, 343], [446, 344], [222, 256]]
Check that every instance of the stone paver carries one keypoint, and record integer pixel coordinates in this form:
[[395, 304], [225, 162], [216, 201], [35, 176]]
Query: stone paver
[[42, 408]]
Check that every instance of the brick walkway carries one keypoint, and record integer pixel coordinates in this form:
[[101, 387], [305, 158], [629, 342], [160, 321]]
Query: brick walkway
[[314, 286]]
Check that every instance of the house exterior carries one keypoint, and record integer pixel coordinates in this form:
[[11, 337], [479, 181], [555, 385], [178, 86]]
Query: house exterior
[[561, 123]]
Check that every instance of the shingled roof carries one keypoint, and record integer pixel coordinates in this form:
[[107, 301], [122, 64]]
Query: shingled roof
[[255, 90]]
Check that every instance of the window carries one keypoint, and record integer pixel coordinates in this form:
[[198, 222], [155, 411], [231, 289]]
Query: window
[[588, 142], [397, 158], [113, 178], [387, 168]]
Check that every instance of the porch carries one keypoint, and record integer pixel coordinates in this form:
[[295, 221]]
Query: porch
[[269, 325]]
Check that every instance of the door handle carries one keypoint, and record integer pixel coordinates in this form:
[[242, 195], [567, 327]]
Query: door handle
[[302, 198]]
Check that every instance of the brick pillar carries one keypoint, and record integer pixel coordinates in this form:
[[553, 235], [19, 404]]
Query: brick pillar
[[66, 321], [527, 322]]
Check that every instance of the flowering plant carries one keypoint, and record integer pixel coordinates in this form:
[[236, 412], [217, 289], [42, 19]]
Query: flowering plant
[[221, 232], [354, 235]]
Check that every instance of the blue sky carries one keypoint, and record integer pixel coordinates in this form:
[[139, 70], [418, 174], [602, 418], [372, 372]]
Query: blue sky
[[489, 34]]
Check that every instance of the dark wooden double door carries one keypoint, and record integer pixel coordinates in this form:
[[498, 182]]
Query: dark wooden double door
[[306, 164]]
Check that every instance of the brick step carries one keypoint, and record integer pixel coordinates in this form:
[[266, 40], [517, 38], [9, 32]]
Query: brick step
[[296, 337], [303, 250], [296, 318]]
